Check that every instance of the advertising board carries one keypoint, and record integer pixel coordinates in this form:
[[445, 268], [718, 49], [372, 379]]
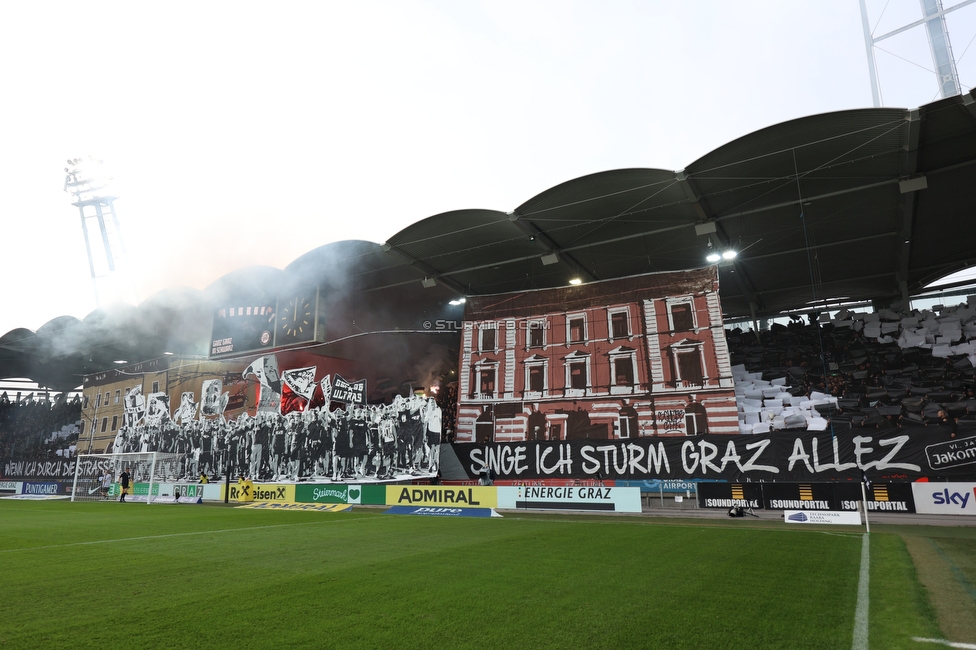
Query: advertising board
[[945, 498], [599, 498]]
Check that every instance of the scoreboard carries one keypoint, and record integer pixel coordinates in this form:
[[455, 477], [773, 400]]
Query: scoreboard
[[259, 323]]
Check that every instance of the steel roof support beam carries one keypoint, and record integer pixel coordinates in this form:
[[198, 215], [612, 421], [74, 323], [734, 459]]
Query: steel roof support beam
[[720, 239], [538, 235], [428, 270], [909, 167]]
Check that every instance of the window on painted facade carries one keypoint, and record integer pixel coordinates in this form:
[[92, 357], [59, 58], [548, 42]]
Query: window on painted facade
[[536, 379], [155, 387], [98, 400], [618, 325], [577, 330], [108, 396], [85, 405], [104, 424], [689, 367], [488, 382], [118, 396], [536, 335], [682, 318], [696, 419], [115, 422], [577, 374], [488, 340], [623, 371], [628, 422]]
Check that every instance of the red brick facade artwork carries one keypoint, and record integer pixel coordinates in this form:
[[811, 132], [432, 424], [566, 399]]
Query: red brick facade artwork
[[638, 356]]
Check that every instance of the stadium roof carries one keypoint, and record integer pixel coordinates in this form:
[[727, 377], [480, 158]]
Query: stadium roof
[[869, 204]]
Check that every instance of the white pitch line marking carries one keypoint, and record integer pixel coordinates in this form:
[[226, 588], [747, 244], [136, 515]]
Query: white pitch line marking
[[860, 641], [968, 646], [145, 537]]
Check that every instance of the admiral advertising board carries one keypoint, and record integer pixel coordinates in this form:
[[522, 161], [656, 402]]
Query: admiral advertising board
[[598, 498], [436, 495], [945, 498]]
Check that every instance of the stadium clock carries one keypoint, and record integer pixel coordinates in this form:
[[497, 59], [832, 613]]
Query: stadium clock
[[296, 320]]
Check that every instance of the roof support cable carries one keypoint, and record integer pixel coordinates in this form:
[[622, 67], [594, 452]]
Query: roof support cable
[[814, 318]]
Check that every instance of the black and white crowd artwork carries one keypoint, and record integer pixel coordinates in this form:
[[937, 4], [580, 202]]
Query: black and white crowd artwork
[[293, 435]]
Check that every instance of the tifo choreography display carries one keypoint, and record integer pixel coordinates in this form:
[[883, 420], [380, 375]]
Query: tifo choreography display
[[293, 435], [365, 441]]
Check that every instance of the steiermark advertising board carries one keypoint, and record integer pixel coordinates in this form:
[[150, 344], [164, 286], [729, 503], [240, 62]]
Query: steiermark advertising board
[[351, 494]]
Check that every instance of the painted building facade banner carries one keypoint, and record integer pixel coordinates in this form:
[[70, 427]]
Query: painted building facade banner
[[774, 457], [613, 360]]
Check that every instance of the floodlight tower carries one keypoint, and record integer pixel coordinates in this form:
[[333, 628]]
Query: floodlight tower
[[100, 225], [933, 17]]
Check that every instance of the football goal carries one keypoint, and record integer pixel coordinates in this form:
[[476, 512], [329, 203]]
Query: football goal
[[97, 475]]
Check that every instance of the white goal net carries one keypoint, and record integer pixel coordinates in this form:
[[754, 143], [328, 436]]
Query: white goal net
[[97, 475]]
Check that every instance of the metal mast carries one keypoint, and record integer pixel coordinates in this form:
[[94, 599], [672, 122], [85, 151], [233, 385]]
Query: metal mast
[[938, 35], [100, 226]]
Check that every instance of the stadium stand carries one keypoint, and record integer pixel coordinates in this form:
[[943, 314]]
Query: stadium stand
[[856, 370], [38, 428]]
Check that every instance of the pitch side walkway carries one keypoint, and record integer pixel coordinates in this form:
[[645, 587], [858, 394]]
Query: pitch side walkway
[[901, 519]]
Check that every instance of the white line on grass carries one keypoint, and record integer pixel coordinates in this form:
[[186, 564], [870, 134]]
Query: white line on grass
[[969, 646], [144, 537], [863, 601]]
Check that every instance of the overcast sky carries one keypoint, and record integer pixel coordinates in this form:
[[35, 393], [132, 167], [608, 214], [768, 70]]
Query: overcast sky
[[245, 133]]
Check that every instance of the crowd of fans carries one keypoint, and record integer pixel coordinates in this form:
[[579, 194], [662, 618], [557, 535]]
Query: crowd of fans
[[865, 378], [27, 425]]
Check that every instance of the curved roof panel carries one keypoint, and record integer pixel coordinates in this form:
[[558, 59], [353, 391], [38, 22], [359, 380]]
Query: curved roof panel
[[865, 204]]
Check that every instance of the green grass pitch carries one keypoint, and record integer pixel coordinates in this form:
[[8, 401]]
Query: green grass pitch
[[107, 575]]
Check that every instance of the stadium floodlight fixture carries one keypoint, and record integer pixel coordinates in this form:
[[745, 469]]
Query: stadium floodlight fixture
[[713, 257], [575, 281], [729, 255], [120, 361], [168, 353], [457, 301]]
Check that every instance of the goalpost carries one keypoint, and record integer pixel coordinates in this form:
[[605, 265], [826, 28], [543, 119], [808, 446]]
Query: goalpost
[[152, 467]]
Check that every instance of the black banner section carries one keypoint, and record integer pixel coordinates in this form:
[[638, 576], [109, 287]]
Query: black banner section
[[889, 454], [882, 497], [729, 495]]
